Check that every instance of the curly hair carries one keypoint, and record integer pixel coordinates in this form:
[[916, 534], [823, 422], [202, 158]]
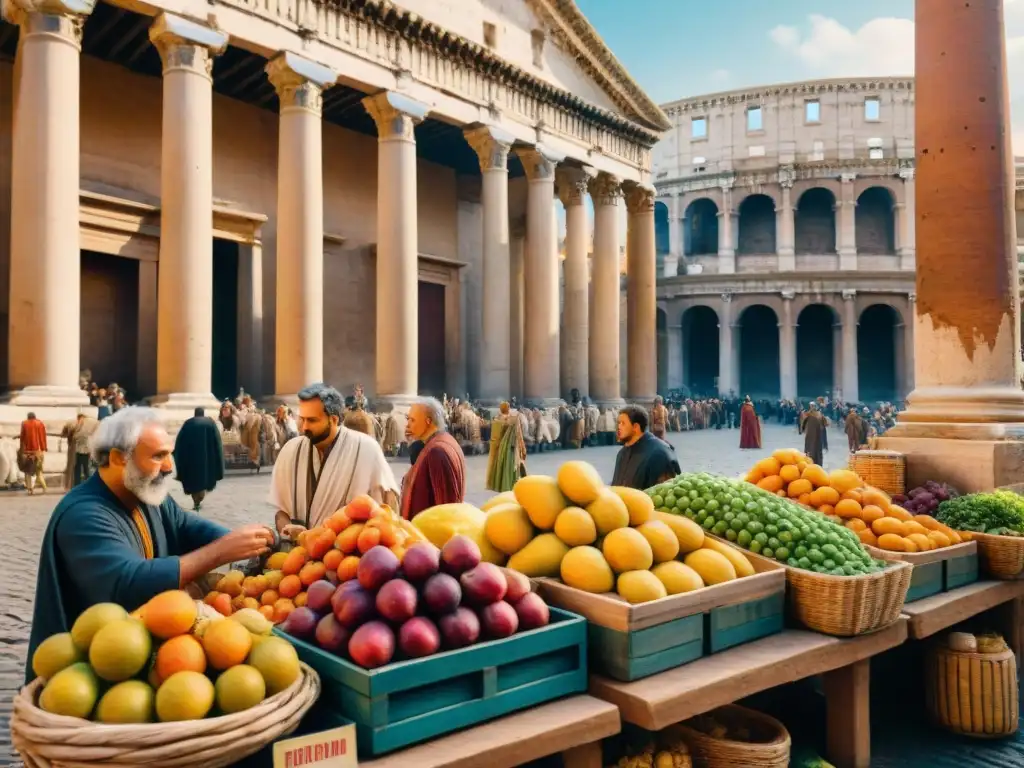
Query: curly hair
[[328, 395]]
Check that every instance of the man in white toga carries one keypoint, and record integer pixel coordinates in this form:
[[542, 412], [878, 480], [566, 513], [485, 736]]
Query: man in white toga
[[327, 466]]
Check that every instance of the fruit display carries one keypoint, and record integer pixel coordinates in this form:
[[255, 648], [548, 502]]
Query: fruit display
[[999, 513], [925, 499], [417, 604], [845, 499], [603, 539], [638, 749], [165, 662], [765, 523]]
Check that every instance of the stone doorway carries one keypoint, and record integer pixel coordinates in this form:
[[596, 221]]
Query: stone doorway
[[759, 352], [431, 329], [700, 350], [108, 330], [876, 353], [225, 379], [814, 352]]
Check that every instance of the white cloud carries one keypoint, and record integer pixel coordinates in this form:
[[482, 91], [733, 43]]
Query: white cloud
[[721, 76]]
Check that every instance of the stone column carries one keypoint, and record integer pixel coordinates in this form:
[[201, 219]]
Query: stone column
[[604, 320], [851, 384], [492, 146], [786, 229], [837, 358], [146, 340], [726, 245], [397, 248], [908, 221], [642, 301], [250, 318], [787, 348], [846, 231], [299, 331], [676, 364], [909, 348], [45, 261], [726, 354], [675, 236], [517, 290], [541, 374], [572, 190], [185, 289]]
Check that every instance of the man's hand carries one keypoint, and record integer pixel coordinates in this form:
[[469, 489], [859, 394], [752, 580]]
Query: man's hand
[[292, 531], [244, 543]]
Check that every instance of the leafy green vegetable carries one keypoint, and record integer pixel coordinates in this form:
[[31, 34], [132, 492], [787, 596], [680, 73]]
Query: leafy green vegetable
[[999, 512]]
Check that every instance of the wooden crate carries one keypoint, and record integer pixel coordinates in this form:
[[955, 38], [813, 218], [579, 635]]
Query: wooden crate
[[629, 642], [410, 701], [938, 570]]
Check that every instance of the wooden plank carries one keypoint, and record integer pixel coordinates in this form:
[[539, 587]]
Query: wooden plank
[[516, 739], [848, 715], [931, 556], [673, 696], [933, 614]]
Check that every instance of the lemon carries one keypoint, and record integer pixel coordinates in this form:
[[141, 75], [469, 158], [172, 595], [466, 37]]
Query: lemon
[[184, 696], [120, 650], [92, 620], [240, 688], [72, 691]]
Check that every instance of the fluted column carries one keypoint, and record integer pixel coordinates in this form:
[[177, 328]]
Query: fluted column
[[299, 317], [787, 348], [541, 374], [908, 221], [786, 228], [726, 354], [605, 385], [641, 297], [492, 147], [726, 245], [851, 383], [846, 224], [185, 287], [43, 332], [572, 191], [397, 352]]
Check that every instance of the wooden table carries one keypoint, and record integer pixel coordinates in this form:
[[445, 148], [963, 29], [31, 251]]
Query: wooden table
[[722, 678], [938, 612], [573, 726]]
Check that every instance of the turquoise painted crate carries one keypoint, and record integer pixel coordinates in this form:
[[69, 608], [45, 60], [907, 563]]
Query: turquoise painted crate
[[925, 581], [938, 570], [411, 701], [745, 622], [640, 653], [961, 571]]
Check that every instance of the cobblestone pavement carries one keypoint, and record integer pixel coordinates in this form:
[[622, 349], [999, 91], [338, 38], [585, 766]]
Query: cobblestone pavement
[[241, 498]]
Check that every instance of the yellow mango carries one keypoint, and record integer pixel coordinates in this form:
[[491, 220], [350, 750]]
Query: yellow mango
[[540, 496], [690, 535], [541, 557]]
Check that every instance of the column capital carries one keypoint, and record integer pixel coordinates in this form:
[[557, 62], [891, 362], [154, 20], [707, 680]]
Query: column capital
[[907, 174], [847, 178], [64, 18], [298, 81], [788, 295], [185, 44], [571, 184], [395, 115], [639, 198], [539, 162], [726, 297], [605, 189], [849, 294], [491, 145]]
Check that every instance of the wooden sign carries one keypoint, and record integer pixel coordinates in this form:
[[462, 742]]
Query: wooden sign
[[335, 748]]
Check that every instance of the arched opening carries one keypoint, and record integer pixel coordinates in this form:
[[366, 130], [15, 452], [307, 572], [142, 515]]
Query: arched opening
[[701, 228], [759, 352], [757, 225], [814, 351], [876, 225], [876, 353], [662, 242], [662, 324], [700, 350], [816, 222]]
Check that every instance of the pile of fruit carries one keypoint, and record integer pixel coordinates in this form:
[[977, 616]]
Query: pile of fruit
[[655, 750], [765, 523], [330, 552], [925, 499], [415, 605], [160, 662], [599, 539], [844, 498]]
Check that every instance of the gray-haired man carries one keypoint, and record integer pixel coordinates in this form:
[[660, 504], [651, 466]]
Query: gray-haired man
[[439, 474]]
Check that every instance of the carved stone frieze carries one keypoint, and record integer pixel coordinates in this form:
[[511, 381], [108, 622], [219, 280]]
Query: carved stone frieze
[[822, 286], [491, 145], [396, 115], [185, 44], [606, 189], [299, 82]]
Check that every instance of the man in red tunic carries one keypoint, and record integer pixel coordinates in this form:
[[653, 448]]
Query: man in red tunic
[[31, 450], [750, 427], [439, 474]]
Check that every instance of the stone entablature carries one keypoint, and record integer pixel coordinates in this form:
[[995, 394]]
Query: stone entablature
[[800, 283]]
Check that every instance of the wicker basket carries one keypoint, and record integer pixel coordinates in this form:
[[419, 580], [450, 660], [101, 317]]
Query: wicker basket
[[1002, 557], [768, 748], [56, 741], [883, 469], [974, 694]]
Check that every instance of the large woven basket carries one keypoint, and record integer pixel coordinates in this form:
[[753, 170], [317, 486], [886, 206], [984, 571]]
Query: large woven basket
[[56, 741], [1002, 557], [768, 748], [974, 694], [883, 469]]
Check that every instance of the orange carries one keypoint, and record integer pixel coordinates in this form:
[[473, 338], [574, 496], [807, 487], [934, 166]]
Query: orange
[[170, 614], [290, 586], [338, 522], [269, 597], [222, 604], [180, 654], [368, 539], [226, 643], [281, 610], [874, 512], [267, 611], [799, 487], [300, 599], [333, 559], [827, 509], [789, 473], [856, 525], [347, 569], [294, 562], [847, 508], [771, 483], [311, 572], [347, 539]]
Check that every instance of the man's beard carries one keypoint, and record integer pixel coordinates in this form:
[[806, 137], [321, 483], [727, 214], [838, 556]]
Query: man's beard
[[315, 438], [150, 490]]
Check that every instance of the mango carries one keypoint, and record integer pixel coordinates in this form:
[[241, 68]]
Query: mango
[[677, 577], [626, 549], [575, 527], [609, 512], [580, 482], [540, 496], [508, 497], [639, 504], [508, 528], [690, 535], [712, 567], [541, 557], [585, 568], [440, 523], [640, 586], [663, 541], [733, 555]]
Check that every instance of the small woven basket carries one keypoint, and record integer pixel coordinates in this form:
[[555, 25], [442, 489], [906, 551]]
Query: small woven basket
[[973, 694], [883, 469], [1002, 557], [768, 746], [56, 741]]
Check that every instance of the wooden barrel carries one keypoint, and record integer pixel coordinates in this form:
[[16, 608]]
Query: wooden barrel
[[973, 694]]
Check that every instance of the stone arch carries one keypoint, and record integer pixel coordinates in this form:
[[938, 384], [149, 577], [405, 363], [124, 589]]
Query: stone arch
[[876, 353], [661, 320], [815, 222], [758, 337], [700, 338], [876, 222], [898, 303], [815, 350], [756, 224], [662, 242], [863, 183], [701, 233], [804, 185]]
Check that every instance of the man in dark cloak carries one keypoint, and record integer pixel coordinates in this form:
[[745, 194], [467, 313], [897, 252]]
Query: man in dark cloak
[[815, 434], [119, 538], [855, 430], [199, 457], [644, 460], [750, 426]]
